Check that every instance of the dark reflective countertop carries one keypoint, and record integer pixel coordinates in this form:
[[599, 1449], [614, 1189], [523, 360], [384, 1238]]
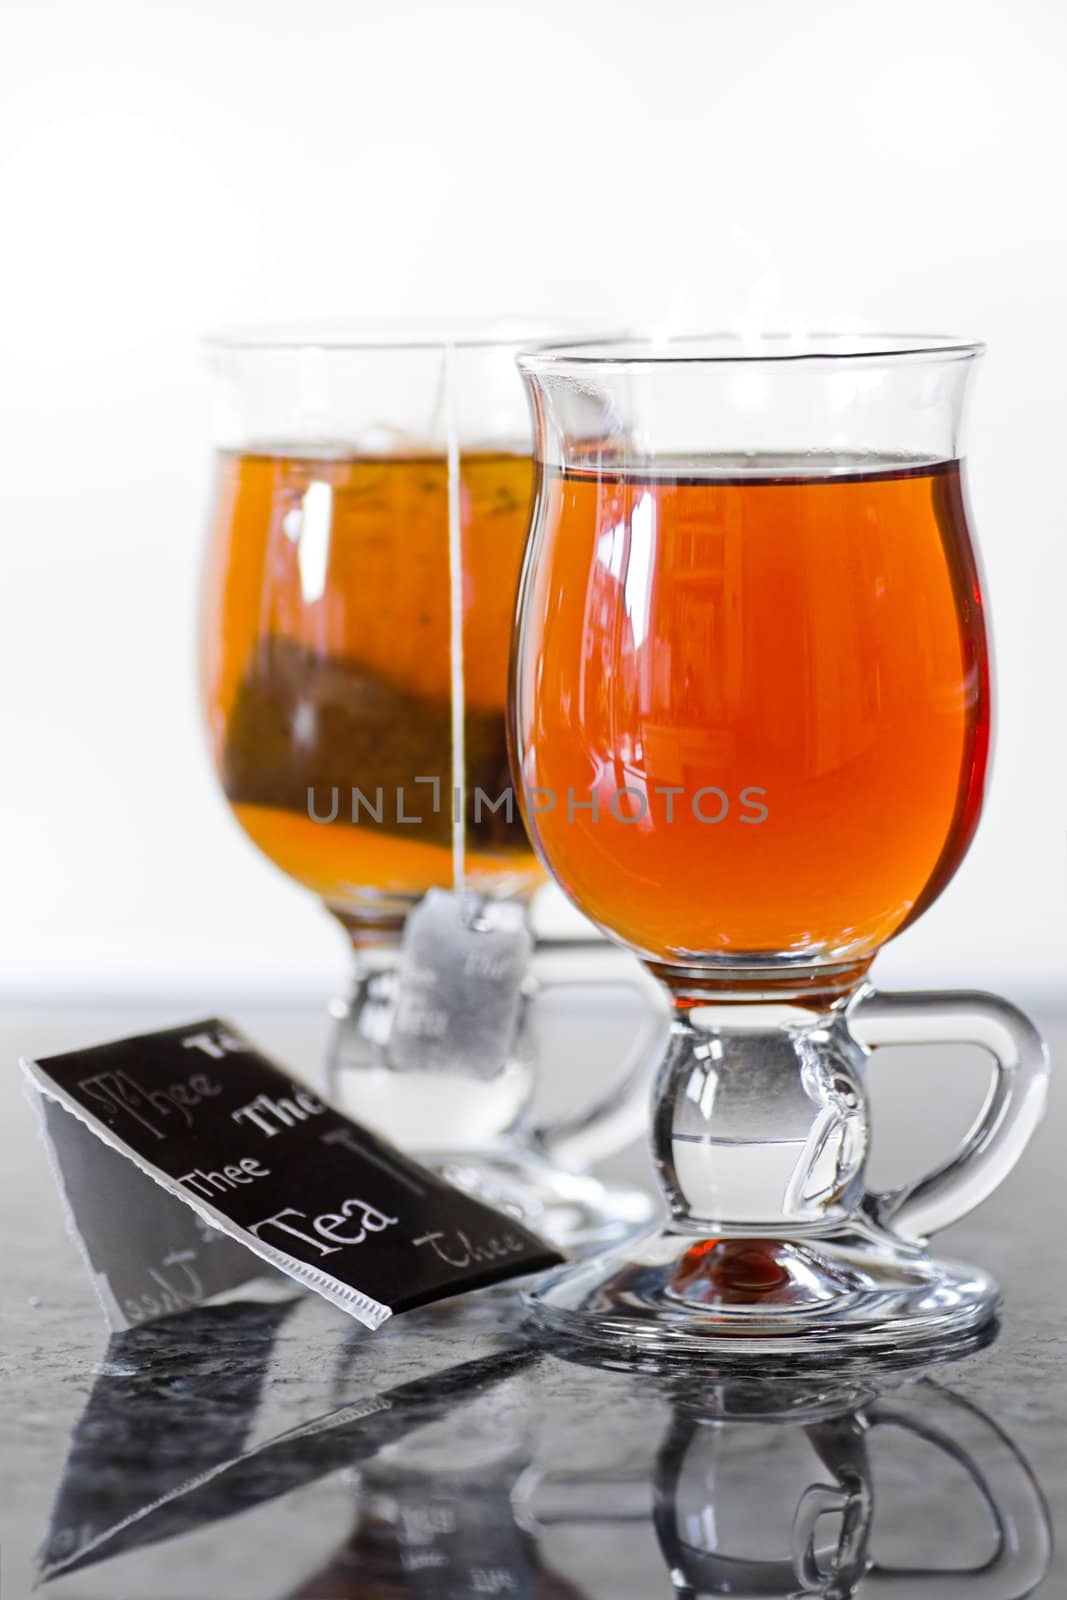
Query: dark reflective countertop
[[270, 1448]]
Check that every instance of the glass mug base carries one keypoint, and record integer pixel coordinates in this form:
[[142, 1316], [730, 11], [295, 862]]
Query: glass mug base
[[674, 1292], [774, 1245]]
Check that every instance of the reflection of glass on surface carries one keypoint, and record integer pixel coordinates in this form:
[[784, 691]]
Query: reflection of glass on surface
[[467, 1449], [778, 1488]]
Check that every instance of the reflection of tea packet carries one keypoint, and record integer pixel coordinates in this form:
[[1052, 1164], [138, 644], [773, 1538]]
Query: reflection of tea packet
[[459, 985], [237, 1363]]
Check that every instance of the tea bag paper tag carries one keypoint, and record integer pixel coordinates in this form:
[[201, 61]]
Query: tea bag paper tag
[[186, 1154], [459, 985]]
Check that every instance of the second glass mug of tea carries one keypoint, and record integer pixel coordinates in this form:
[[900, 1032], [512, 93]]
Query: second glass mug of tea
[[752, 671], [372, 505]]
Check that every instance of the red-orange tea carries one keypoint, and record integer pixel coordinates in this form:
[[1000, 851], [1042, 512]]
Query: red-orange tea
[[771, 680], [327, 666]]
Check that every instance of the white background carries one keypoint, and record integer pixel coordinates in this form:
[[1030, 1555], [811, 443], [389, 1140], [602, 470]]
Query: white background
[[168, 167]]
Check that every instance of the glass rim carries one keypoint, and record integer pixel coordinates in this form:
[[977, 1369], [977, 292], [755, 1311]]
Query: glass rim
[[725, 348], [414, 333]]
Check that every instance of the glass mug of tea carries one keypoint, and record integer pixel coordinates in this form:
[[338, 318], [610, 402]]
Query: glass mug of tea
[[752, 674], [371, 511]]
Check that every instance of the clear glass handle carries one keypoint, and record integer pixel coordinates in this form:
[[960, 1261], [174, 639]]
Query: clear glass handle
[[1012, 1109], [620, 1116]]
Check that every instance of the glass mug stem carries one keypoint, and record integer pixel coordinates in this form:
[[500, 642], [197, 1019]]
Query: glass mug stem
[[760, 1122]]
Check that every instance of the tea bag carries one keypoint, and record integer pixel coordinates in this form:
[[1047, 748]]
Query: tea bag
[[372, 738], [459, 985]]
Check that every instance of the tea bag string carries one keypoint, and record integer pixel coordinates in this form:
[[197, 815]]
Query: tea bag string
[[455, 583]]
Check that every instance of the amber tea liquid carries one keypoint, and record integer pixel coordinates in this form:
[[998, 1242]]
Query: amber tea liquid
[[798, 644], [326, 666]]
